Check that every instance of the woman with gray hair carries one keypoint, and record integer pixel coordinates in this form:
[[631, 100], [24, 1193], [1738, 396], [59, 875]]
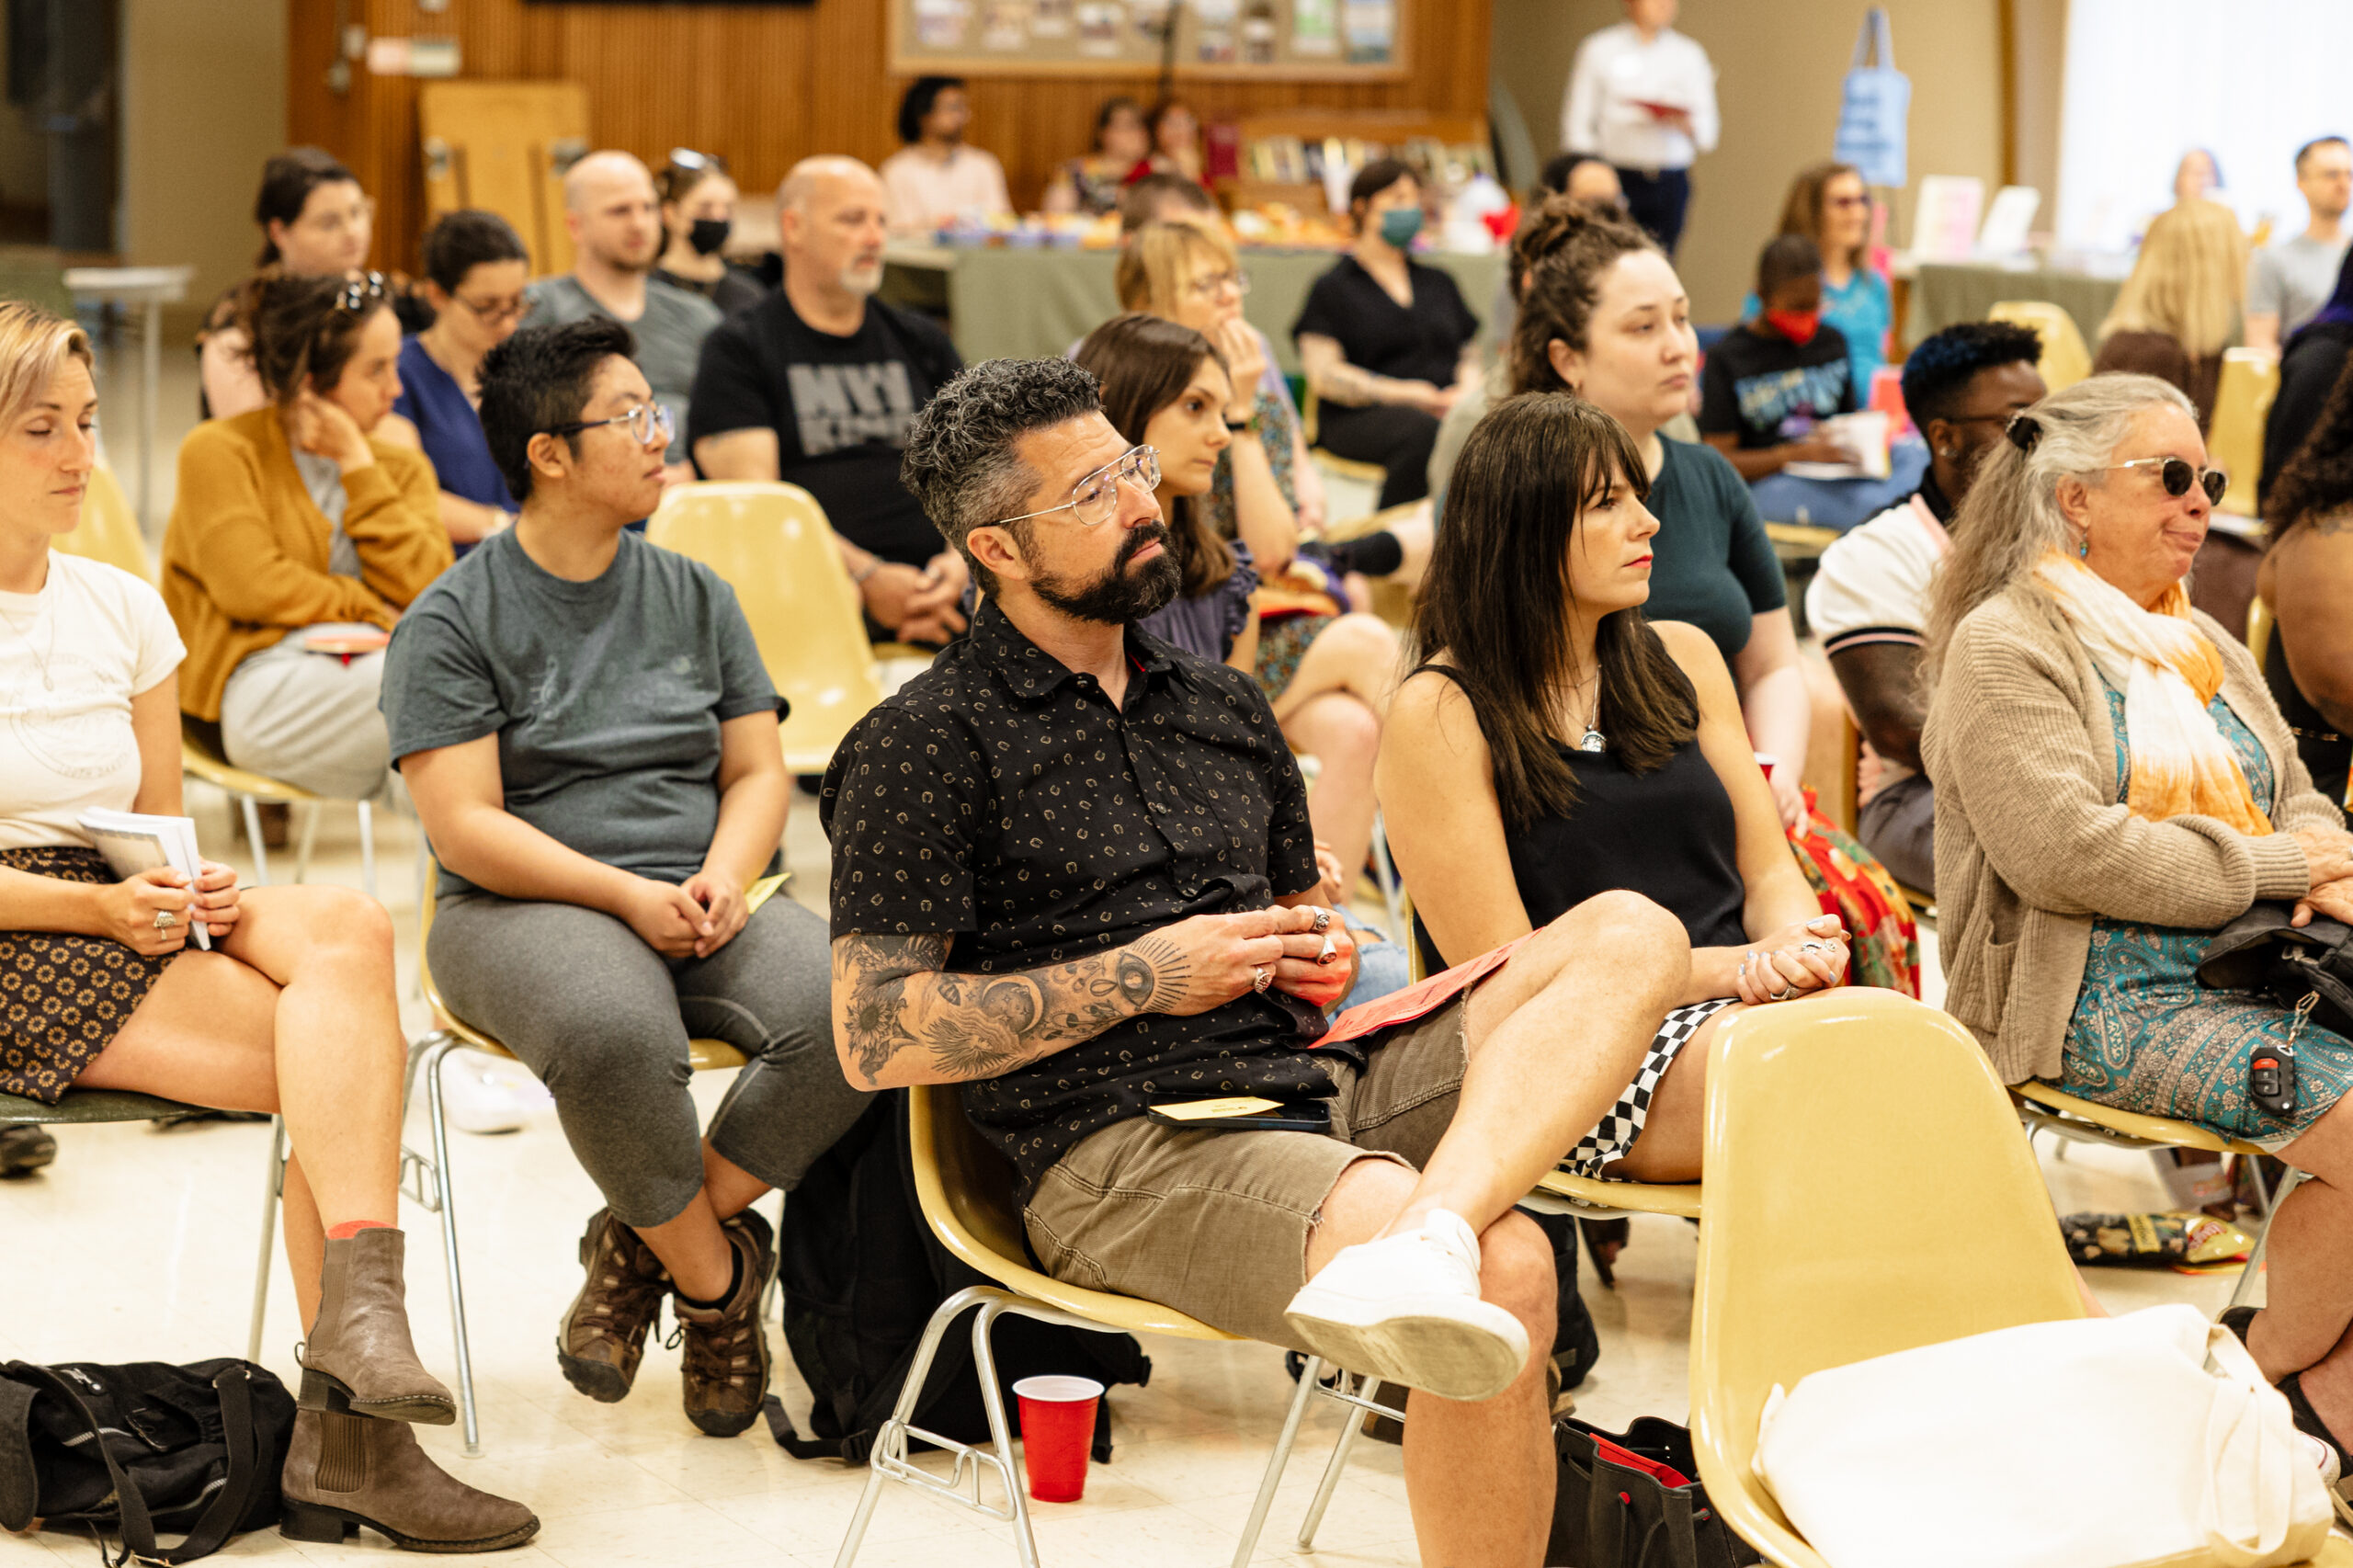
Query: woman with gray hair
[[2114, 783]]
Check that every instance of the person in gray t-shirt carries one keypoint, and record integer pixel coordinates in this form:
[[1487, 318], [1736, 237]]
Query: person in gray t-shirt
[[590, 736], [2291, 279], [617, 237]]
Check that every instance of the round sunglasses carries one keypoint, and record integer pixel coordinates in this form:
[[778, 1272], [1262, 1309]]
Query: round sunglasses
[[2178, 473]]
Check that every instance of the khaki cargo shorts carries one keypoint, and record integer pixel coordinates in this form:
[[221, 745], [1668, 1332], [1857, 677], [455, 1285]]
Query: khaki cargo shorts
[[1215, 1223]]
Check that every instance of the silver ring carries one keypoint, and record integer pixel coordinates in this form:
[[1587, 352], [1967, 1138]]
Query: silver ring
[[1781, 996], [1322, 921], [163, 921], [1814, 946], [1261, 977]]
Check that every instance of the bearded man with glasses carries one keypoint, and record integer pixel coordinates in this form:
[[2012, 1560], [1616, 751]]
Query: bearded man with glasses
[[1073, 872], [591, 740]]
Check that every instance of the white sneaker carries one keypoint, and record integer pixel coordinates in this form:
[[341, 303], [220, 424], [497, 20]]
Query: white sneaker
[[485, 1094], [1406, 1309]]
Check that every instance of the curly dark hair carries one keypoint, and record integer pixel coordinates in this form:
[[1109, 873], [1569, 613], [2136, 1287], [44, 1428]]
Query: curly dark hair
[[1564, 279], [1940, 367], [303, 331], [538, 379], [2319, 478], [922, 94], [961, 464]]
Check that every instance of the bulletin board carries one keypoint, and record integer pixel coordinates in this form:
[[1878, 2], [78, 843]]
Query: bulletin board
[[1275, 40]]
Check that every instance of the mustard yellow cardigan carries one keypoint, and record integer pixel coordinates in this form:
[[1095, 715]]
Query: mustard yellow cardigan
[[245, 554]]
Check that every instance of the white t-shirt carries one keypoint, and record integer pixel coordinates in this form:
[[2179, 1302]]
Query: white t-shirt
[[1617, 76], [1871, 586], [71, 657], [924, 192]]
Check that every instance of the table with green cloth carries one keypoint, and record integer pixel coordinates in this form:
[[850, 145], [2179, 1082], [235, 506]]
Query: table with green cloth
[[1003, 302], [1946, 294]]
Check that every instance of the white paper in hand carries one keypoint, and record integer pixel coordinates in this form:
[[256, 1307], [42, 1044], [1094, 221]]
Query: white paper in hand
[[133, 842]]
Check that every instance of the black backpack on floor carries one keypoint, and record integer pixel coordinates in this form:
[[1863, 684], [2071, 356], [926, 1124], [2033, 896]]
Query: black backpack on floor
[[142, 1448], [862, 1276]]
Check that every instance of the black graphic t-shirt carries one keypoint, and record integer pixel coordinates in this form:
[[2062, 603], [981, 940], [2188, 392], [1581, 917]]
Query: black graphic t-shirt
[[840, 407], [1765, 389]]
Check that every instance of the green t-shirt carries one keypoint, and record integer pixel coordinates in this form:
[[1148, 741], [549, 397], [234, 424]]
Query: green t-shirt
[[1714, 566]]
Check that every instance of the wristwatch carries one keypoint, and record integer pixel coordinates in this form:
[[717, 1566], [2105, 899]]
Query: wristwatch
[[1243, 427]]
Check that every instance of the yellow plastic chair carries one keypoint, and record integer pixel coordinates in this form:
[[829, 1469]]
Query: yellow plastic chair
[[2066, 361], [2242, 397], [2047, 1109], [2258, 629], [110, 530], [966, 1193], [772, 545]]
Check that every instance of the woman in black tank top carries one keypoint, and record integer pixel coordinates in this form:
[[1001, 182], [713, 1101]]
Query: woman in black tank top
[[1554, 747], [2306, 579]]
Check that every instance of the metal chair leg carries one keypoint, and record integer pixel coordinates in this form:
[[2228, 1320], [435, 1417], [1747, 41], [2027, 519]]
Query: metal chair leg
[[892, 1437], [271, 1186], [1308, 1377], [445, 1192], [1351, 1426], [310, 840], [253, 835], [2254, 1269], [367, 849], [1025, 1545]]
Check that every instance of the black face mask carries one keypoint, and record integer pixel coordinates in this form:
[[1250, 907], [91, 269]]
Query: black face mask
[[709, 234]]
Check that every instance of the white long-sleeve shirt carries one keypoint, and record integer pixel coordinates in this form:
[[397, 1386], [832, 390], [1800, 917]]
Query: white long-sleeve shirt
[[1616, 73]]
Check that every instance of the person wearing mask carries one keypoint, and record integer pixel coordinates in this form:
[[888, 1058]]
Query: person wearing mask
[[292, 1011], [591, 740], [937, 177], [475, 268], [1644, 97], [1386, 342], [1776, 377], [615, 219], [2178, 310], [2114, 786], [2309, 369], [1121, 155], [316, 222], [2307, 579], [1603, 315], [816, 385], [697, 213], [1176, 140], [296, 538], [2291, 279], [1829, 204], [1869, 599]]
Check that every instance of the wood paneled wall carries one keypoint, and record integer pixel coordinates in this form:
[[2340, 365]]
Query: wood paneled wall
[[765, 87]]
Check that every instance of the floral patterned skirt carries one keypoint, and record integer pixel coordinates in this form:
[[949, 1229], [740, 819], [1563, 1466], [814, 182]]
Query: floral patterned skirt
[[63, 997], [1883, 941], [1282, 643]]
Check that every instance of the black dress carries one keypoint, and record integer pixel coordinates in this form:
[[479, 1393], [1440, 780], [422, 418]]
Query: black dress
[[2308, 371], [2326, 753]]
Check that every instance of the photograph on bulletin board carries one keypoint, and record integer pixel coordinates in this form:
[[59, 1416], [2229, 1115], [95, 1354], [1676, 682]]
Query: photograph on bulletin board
[[1234, 39]]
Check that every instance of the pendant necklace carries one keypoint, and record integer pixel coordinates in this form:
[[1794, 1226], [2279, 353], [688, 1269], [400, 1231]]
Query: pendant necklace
[[1592, 740]]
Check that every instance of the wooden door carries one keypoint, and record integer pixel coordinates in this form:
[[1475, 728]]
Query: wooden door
[[503, 147]]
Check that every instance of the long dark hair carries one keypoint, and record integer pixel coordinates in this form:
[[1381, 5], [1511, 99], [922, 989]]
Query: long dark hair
[[1498, 581], [287, 182], [1144, 363], [2319, 478]]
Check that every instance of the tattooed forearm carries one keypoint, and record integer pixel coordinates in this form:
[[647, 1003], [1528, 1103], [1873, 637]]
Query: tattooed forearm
[[900, 1019]]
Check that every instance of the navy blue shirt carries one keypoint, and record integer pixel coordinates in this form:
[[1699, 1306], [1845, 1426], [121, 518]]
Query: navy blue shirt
[[446, 423]]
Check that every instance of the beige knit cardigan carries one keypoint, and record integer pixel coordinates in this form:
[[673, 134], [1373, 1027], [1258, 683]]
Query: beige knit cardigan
[[2032, 844]]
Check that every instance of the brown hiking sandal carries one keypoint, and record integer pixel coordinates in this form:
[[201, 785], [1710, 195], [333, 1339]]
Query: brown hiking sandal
[[726, 1363], [602, 1338]]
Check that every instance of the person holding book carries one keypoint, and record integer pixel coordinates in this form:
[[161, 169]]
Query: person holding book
[[297, 539], [292, 1011], [590, 736]]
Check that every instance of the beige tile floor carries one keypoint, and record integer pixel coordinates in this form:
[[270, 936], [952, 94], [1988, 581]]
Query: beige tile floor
[[140, 1244]]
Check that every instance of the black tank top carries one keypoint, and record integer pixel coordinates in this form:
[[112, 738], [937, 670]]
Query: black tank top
[[2326, 754], [1669, 835]]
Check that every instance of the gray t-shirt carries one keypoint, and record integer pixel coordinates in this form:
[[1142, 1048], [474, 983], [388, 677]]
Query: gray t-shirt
[[605, 696], [2292, 279], [669, 336], [323, 477]]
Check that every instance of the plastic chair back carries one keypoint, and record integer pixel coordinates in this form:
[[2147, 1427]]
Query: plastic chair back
[[2242, 397], [110, 530], [1868, 1192], [772, 545], [966, 1190], [2259, 630], [2066, 361]]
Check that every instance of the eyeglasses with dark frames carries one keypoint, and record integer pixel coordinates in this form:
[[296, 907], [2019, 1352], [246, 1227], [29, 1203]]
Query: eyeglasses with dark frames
[[496, 314], [1095, 499], [649, 424], [2178, 473]]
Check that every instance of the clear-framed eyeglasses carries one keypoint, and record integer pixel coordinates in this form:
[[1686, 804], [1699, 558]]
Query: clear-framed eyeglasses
[[1094, 500], [649, 424], [1217, 283]]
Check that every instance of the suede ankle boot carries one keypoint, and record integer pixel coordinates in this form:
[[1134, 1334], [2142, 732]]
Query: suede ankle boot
[[360, 1357], [342, 1472]]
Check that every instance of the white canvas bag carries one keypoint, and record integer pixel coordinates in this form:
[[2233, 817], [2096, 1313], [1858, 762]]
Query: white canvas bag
[[2091, 1443]]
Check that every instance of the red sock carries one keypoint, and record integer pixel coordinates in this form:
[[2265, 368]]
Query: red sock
[[351, 1228]]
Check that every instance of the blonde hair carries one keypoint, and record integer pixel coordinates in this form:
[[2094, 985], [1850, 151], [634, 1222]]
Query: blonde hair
[[1152, 270], [34, 344], [2189, 281]]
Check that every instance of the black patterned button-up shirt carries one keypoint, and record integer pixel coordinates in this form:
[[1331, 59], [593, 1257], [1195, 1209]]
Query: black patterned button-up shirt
[[1001, 798]]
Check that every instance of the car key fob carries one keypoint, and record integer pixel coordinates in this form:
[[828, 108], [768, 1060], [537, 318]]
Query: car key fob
[[2272, 1080]]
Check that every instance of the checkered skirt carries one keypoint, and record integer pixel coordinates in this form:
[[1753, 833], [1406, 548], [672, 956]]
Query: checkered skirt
[[63, 997], [1614, 1135]]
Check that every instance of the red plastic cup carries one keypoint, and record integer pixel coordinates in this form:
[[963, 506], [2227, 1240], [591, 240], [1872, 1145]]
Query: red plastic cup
[[1057, 1430]]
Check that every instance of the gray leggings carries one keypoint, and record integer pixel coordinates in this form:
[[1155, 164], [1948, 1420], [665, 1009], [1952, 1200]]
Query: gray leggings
[[604, 1021]]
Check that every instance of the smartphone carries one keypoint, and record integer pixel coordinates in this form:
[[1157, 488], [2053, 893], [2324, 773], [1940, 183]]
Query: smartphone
[[1242, 1113]]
